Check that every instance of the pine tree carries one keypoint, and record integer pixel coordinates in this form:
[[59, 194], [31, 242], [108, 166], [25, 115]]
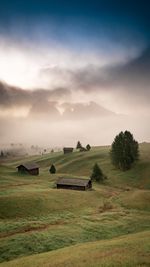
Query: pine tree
[[88, 147], [78, 145], [97, 174], [52, 169], [124, 151]]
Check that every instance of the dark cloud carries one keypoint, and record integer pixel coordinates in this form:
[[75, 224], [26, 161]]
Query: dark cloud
[[41, 103], [89, 77], [11, 96], [133, 73], [136, 72], [44, 104], [128, 82]]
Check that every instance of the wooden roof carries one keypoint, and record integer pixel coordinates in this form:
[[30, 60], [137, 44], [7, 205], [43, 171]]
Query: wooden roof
[[29, 165], [73, 181]]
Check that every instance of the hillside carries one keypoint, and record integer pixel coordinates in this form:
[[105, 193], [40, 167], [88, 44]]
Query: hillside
[[131, 250], [35, 217]]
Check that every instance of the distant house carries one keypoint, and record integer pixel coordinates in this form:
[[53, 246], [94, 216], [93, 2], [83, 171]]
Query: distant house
[[74, 183], [68, 150], [30, 168]]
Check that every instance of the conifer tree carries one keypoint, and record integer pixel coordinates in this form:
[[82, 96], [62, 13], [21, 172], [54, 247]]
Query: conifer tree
[[97, 174], [88, 147], [78, 145], [124, 151], [52, 169]]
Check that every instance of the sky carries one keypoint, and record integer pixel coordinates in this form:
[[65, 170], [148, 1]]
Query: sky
[[74, 70]]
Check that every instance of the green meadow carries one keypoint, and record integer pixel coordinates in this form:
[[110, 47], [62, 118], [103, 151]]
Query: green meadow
[[107, 226]]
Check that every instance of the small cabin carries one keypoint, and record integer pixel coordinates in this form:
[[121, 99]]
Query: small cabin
[[29, 168], [74, 183], [68, 150]]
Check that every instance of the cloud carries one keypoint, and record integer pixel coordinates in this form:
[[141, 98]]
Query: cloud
[[14, 96], [73, 77], [125, 86], [43, 109], [135, 72], [35, 104], [120, 88], [82, 111], [130, 73], [48, 104]]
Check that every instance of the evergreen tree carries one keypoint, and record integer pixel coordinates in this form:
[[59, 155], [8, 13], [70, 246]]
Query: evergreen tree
[[88, 147], [124, 151], [78, 145], [52, 169], [97, 174]]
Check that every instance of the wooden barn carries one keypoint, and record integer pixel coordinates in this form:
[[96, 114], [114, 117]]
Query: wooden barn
[[30, 168], [74, 183], [68, 150]]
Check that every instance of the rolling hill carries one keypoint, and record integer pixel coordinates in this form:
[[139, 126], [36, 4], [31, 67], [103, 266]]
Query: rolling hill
[[35, 217]]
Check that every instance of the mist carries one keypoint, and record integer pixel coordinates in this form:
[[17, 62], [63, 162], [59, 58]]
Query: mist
[[77, 79]]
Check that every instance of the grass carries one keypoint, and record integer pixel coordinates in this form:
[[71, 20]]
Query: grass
[[136, 199], [127, 251], [35, 217]]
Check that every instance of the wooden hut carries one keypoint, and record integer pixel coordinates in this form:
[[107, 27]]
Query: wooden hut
[[68, 150], [30, 168], [74, 183]]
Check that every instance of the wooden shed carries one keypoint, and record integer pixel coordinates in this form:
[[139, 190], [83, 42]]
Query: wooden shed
[[29, 167], [74, 183], [68, 150]]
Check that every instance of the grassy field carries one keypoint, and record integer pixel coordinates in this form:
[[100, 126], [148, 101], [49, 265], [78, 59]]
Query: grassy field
[[112, 219], [127, 251]]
